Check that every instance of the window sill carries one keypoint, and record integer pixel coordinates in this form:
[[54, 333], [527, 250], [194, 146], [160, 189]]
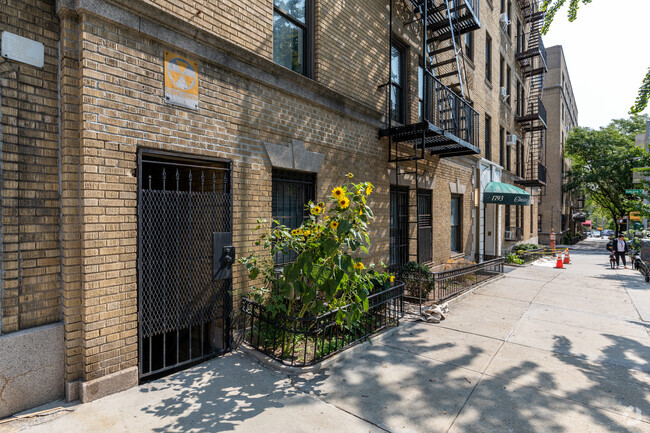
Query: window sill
[[488, 83], [469, 61]]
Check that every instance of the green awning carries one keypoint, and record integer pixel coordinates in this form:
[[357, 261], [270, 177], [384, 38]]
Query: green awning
[[504, 193]]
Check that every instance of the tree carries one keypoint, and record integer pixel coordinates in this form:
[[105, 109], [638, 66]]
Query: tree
[[602, 163], [553, 6]]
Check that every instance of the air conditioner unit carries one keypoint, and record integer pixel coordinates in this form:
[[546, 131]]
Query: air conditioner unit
[[504, 93], [511, 139], [509, 235], [503, 19]]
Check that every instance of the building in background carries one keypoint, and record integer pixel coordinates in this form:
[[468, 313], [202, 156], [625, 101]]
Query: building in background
[[558, 210]]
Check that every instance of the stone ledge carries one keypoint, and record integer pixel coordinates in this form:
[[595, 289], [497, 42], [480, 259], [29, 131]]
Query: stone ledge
[[109, 384]]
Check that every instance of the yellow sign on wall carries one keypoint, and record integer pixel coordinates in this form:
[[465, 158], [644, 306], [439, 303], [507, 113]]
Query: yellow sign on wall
[[635, 216], [181, 81]]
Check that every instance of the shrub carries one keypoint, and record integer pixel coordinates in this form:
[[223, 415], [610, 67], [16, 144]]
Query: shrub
[[513, 258], [327, 273]]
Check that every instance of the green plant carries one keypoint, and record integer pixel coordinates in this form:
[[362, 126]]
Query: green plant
[[513, 258], [526, 247], [327, 273]]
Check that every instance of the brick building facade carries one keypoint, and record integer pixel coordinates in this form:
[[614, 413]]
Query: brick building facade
[[82, 135]]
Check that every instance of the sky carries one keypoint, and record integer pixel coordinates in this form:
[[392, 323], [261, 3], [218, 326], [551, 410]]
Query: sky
[[607, 50]]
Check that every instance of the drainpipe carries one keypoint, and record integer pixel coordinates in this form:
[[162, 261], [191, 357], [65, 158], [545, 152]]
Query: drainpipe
[[58, 99], [2, 270]]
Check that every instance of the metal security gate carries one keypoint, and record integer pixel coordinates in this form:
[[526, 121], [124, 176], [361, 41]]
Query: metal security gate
[[184, 258]]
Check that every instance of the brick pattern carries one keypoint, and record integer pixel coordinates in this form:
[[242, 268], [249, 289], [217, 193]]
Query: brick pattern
[[30, 199]]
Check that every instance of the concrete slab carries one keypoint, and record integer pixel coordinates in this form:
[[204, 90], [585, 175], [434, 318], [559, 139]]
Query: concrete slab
[[500, 406], [609, 387], [590, 282], [602, 322], [477, 299], [398, 391], [611, 303], [492, 324], [445, 345], [513, 288], [595, 346], [231, 393]]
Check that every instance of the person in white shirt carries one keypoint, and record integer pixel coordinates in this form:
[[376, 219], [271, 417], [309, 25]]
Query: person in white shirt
[[619, 246]]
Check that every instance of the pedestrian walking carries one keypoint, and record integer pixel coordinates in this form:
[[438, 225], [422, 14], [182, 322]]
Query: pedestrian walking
[[619, 246]]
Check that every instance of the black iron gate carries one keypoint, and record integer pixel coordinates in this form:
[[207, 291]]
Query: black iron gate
[[184, 257]]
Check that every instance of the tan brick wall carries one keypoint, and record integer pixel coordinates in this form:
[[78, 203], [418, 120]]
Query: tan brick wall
[[31, 285]]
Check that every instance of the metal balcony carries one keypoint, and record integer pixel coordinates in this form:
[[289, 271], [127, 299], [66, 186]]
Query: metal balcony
[[535, 176], [450, 126], [465, 17], [528, 48], [535, 117]]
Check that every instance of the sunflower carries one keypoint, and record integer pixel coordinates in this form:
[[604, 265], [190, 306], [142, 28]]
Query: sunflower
[[392, 278], [360, 211], [338, 192], [350, 175], [294, 232], [334, 225], [316, 210], [359, 266], [344, 202], [368, 189]]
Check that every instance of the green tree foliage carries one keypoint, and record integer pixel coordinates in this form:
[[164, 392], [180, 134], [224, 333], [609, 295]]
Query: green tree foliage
[[553, 6], [602, 163]]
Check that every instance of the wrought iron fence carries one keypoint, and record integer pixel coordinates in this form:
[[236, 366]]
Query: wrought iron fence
[[435, 287], [301, 342]]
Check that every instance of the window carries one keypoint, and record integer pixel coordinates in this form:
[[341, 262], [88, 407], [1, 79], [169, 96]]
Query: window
[[502, 66], [520, 159], [520, 42], [399, 226], [425, 222], [422, 85], [507, 217], [291, 36], [291, 191], [508, 29], [456, 228], [539, 221], [397, 83], [488, 57], [469, 45], [503, 6], [488, 137], [508, 154], [508, 76], [502, 143]]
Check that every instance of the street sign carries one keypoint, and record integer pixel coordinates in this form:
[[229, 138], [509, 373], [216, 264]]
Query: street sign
[[633, 191]]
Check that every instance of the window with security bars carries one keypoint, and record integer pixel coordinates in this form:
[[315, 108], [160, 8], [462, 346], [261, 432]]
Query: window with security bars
[[425, 223], [399, 226], [291, 191], [456, 228]]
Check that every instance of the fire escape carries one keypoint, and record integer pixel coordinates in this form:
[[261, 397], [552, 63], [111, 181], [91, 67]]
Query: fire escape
[[448, 125], [531, 56]]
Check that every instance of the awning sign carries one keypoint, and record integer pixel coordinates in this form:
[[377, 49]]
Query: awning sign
[[181, 81], [503, 193]]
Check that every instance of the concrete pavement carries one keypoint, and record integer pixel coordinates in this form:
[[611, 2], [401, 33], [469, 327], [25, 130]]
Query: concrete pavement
[[540, 350]]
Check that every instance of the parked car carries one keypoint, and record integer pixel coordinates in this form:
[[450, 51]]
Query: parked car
[[608, 232], [595, 234]]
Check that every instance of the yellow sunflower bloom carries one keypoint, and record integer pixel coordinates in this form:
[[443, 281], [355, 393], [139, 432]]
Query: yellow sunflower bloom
[[294, 232], [338, 192], [334, 225], [360, 211], [368, 190], [350, 175], [392, 278], [359, 266], [344, 203], [316, 210]]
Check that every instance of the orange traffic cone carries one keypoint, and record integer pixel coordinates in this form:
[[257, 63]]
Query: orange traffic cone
[[567, 259], [558, 264]]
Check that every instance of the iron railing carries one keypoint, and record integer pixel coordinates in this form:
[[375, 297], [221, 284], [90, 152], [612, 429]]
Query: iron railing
[[434, 287], [301, 342], [452, 113]]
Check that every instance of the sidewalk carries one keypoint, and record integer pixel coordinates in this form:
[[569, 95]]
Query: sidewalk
[[540, 350]]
